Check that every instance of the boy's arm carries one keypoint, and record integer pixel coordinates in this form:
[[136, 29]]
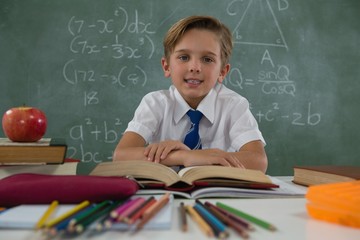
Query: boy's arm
[[251, 156], [130, 147]]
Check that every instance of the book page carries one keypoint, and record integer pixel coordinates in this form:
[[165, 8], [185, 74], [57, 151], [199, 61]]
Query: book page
[[68, 168], [41, 142], [137, 169], [184, 170], [285, 190], [162, 191], [202, 172]]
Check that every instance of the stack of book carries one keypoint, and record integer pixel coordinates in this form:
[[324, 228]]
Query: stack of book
[[44, 151]]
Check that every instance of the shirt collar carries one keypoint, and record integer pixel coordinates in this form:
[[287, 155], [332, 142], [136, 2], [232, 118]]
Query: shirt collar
[[206, 106]]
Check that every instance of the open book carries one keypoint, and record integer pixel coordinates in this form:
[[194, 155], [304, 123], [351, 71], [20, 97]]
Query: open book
[[155, 175], [285, 189]]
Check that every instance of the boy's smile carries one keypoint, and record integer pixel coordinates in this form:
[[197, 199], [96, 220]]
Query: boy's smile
[[195, 65], [194, 82]]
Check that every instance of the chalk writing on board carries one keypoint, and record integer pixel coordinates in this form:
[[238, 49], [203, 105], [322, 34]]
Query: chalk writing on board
[[271, 78], [105, 132], [308, 118], [272, 82], [268, 18], [74, 74], [118, 50], [277, 82], [119, 39], [87, 154]]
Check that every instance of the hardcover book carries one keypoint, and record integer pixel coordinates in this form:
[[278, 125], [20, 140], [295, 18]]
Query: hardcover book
[[44, 151], [314, 175], [155, 175]]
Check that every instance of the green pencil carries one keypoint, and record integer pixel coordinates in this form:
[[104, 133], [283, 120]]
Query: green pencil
[[87, 214], [248, 217], [94, 217]]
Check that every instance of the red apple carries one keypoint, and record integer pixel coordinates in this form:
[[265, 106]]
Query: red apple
[[24, 124]]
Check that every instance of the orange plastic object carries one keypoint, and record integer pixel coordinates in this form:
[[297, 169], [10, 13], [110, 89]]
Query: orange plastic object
[[337, 203]]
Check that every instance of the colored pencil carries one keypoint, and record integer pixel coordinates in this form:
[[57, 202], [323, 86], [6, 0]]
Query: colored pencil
[[61, 226], [217, 226], [134, 216], [136, 210], [47, 214], [153, 210], [248, 217], [204, 227], [80, 227], [121, 208], [101, 225], [134, 205], [209, 215], [233, 217], [67, 214], [86, 214], [240, 229], [107, 223], [182, 214]]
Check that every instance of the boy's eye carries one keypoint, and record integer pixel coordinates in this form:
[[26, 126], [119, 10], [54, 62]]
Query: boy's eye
[[207, 60], [183, 58]]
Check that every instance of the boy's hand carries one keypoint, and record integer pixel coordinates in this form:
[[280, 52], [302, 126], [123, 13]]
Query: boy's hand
[[158, 151], [212, 157]]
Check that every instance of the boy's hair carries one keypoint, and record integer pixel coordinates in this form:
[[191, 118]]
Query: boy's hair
[[177, 31]]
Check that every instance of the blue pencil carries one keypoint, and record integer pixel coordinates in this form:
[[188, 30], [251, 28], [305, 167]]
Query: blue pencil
[[218, 227]]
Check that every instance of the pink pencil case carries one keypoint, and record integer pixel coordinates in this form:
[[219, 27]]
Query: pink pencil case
[[28, 188]]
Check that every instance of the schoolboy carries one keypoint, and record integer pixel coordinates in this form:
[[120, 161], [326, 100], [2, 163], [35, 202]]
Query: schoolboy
[[196, 58]]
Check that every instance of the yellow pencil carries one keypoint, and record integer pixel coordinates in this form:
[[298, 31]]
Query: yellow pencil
[[67, 214], [47, 214], [200, 221]]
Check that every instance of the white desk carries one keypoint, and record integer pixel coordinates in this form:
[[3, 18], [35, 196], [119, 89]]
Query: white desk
[[287, 214]]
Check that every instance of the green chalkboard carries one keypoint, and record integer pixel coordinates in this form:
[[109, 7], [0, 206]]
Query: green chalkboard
[[87, 64]]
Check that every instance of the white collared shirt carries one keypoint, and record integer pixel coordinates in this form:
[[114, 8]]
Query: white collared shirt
[[227, 123]]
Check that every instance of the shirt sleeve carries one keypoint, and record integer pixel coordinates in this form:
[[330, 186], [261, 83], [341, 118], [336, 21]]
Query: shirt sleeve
[[147, 117], [243, 125]]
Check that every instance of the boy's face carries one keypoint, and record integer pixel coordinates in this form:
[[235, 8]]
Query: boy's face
[[195, 65]]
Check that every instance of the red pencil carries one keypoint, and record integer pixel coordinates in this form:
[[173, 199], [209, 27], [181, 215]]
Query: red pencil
[[137, 202], [132, 218], [153, 210]]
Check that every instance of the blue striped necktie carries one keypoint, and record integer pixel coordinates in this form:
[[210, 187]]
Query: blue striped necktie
[[192, 138]]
